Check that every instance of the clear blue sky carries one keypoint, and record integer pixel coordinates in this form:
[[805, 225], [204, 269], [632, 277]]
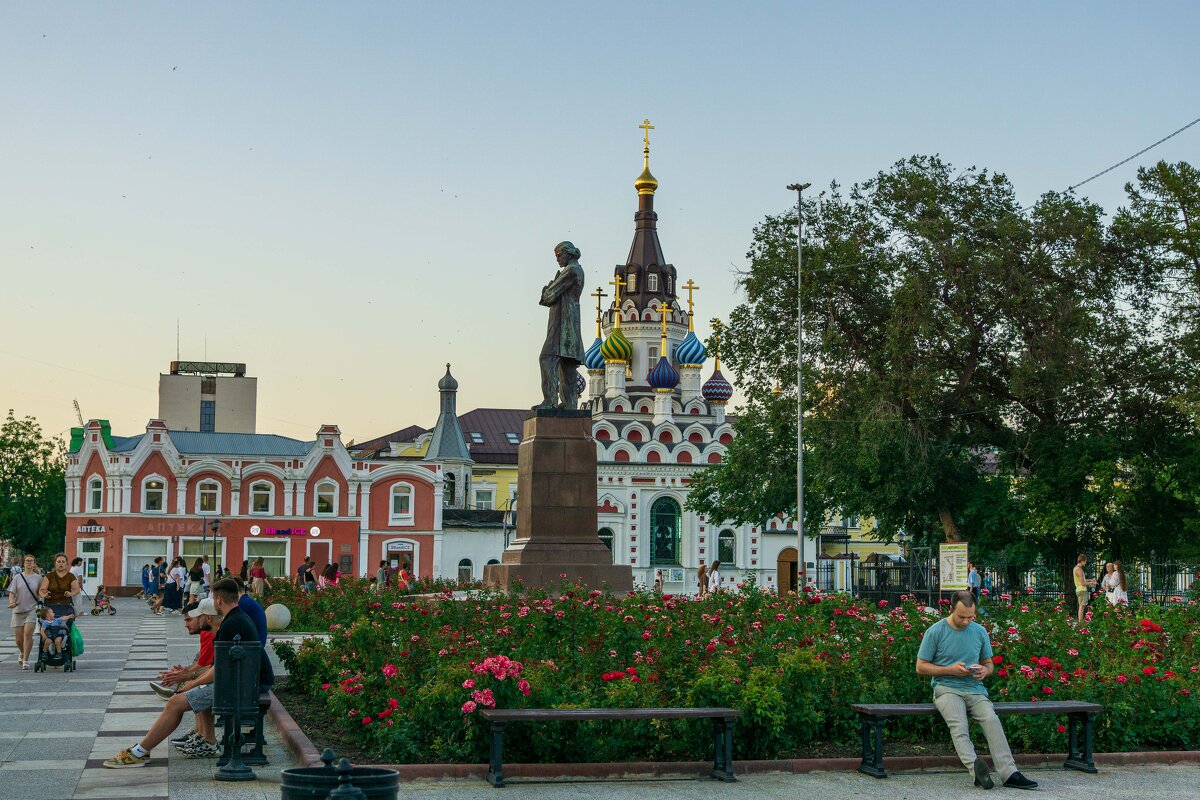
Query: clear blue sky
[[347, 195]]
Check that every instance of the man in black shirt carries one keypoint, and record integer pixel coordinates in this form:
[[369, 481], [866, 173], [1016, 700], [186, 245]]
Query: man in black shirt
[[235, 622]]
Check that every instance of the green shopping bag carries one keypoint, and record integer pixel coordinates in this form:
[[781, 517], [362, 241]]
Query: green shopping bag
[[76, 641]]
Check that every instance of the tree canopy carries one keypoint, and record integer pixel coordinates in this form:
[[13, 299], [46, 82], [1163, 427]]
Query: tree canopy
[[974, 369], [32, 487]]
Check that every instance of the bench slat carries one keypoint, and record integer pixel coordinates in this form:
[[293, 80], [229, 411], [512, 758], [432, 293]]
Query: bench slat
[[929, 710], [551, 714]]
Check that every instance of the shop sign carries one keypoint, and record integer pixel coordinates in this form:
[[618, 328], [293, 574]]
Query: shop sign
[[258, 530], [90, 529], [400, 547]]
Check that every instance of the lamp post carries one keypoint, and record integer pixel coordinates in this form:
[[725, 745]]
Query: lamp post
[[802, 567], [216, 524]]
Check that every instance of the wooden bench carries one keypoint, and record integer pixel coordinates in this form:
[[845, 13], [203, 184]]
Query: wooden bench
[[1079, 715], [723, 720]]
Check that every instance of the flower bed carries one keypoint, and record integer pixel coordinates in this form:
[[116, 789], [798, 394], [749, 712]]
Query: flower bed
[[405, 678]]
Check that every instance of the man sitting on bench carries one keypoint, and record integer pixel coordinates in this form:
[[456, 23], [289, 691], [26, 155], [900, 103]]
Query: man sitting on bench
[[956, 653]]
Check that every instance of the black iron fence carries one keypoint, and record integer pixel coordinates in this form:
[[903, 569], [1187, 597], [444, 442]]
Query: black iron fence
[[880, 577]]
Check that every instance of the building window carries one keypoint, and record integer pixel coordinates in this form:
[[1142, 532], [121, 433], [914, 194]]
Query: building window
[[401, 507], [652, 283], [664, 525], [464, 571], [327, 496], [208, 416], [448, 489], [670, 286], [476, 437], [191, 549], [512, 438], [727, 548], [154, 492], [262, 498], [208, 497], [850, 521], [631, 283], [273, 554], [652, 355], [141, 552], [485, 499], [95, 495], [606, 536]]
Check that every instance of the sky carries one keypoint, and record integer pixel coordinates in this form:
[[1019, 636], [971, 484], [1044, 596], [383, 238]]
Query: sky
[[346, 196]]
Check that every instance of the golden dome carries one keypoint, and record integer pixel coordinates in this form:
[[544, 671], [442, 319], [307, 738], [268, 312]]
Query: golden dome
[[646, 183]]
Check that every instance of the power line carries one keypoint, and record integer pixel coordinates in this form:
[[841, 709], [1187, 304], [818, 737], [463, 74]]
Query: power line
[[1135, 155]]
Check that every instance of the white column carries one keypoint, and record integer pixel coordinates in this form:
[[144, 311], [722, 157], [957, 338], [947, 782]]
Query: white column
[[299, 506], [351, 498], [364, 510], [289, 492], [718, 412], [364, 569], [126, 494], [689, 384], [662, 406], [614, 379], [181, 494], [596, 383], [437, 507], [235, 498]]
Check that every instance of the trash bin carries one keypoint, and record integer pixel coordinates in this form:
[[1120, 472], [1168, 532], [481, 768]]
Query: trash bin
[[315, 783]]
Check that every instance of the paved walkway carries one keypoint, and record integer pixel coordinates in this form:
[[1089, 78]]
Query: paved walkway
[[56, 729]]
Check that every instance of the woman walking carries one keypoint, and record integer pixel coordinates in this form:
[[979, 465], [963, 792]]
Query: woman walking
[[22, 599], [60, 587], [714, 577], [258, 577], [1121, 591], [195, 583], [702, 579]]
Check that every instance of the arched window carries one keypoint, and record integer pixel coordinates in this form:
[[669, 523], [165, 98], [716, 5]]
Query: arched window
[[448, 489], [606, 536], [465, 571], [631, 282], [400, 510], [154, 492], [95, 495], [727, 548], [327, 499], [651, 282], [208, 497], [262, 498], [664, 527], [493, 561]]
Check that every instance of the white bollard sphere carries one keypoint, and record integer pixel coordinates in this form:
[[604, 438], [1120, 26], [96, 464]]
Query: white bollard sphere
[[278, 617]]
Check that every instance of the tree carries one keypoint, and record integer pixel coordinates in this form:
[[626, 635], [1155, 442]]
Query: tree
[[32, 487], [974, 369]]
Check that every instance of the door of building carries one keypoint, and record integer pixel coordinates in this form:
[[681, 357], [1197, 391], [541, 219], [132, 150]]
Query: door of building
[[322, 554], [92, 553]]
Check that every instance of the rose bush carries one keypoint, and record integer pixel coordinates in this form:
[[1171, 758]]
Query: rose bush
[[407, 677]]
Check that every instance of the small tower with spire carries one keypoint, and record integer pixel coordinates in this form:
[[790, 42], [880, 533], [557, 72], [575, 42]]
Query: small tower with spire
[[616, 351], [663, 377], [592, 359], [448, 447], [690, 353]]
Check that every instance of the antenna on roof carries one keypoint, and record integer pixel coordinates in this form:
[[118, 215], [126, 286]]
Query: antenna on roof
[[177, 358], [78, 413]]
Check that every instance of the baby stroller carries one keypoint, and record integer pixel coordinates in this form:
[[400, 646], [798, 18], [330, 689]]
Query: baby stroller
[[50, 658]]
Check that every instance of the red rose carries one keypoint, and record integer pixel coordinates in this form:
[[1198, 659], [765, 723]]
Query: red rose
[[1062, 728], [997, 659]]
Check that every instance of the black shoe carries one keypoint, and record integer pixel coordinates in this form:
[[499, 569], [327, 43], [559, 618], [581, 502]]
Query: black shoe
[[1019, 781], [983, 778]]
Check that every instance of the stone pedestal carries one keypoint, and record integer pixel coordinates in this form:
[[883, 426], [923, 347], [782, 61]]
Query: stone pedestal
[[556, 509]]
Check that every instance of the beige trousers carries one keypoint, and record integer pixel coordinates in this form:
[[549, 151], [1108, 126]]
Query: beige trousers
[[958, 709]]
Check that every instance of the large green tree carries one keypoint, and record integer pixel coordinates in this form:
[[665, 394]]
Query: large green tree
[[32, 487], [974, 369]]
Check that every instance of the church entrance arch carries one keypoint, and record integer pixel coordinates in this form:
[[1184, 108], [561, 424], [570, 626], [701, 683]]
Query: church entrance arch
[[785, 570]]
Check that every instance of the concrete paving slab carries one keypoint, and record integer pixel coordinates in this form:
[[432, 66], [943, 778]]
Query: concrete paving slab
[[29, 785]]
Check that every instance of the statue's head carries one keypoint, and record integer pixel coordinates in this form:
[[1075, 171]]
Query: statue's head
[[566, 252]]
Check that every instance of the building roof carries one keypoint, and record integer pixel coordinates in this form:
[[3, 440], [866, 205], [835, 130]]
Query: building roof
[[380, 443], [494, 433], [237, 444]]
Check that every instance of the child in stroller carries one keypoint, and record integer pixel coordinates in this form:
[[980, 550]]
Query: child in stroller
[[54, 628], [101, 603]]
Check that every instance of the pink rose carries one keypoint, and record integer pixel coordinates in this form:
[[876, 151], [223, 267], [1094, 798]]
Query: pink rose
[[468, 707]]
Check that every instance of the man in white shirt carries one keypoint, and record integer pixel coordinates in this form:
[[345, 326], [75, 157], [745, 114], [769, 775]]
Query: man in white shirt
[[207, 582]]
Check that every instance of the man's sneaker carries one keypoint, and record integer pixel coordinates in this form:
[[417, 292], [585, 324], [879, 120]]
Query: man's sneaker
[[126, 758], [983, 778], [1019, 781], [201, 749], [165, 692], [188, 739]]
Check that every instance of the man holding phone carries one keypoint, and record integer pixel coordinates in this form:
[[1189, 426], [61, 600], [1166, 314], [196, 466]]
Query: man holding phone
[[956, 654]]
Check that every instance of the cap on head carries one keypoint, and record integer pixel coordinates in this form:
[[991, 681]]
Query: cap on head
[[205, 606]]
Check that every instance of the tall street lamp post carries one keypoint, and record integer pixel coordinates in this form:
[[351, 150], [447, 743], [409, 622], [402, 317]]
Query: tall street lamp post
[[216, 524], [802, 567]]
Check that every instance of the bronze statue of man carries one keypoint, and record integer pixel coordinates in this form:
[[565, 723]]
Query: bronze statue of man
[[563, 351]]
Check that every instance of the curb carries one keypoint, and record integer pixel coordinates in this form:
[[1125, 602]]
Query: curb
[[309, 756]]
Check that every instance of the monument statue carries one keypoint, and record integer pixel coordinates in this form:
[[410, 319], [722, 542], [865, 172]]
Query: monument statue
[[563, 351]]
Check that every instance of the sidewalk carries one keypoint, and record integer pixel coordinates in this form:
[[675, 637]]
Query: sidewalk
[[56, 729]]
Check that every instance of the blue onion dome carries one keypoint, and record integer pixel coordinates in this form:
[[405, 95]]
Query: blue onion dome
[[616, 347], [716, 389], [580, 384], [691, 352], [592, 359], [663, 375]]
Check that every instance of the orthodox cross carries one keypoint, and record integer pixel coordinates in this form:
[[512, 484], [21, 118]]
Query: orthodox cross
[[691, 287], [665, 308], [647, 127], [617, 282], [599, 295]]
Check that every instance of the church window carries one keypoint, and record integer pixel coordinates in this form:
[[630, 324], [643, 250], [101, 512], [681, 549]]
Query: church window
[[664, 526], [606, 536], [670, 286], [631, 284], [652, 354], [726, 547], [448, 490], [465, 568], [651, 282]]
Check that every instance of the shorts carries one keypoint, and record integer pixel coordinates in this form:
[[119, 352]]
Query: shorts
[[1082, 596], [22, 618], [200, 698], [195, 587]]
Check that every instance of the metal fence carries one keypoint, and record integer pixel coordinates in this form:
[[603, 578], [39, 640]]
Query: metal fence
[[880, 577]]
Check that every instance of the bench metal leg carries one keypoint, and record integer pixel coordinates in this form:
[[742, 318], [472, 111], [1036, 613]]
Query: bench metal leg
[[495, 775], [723, 750], [1079, 743], [872, 744]]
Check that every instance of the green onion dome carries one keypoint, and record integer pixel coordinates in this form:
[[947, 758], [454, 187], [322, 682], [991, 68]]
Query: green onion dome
[[616, 347]]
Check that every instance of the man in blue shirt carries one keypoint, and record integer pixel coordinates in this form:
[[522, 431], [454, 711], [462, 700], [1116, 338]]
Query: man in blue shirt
[[254, 610], [956, 655], [973, 582]]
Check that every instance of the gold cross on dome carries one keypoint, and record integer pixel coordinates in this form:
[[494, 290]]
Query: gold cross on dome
[[665, 308], [599, 295], [647, 127], [691, 287], [617, 282]]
